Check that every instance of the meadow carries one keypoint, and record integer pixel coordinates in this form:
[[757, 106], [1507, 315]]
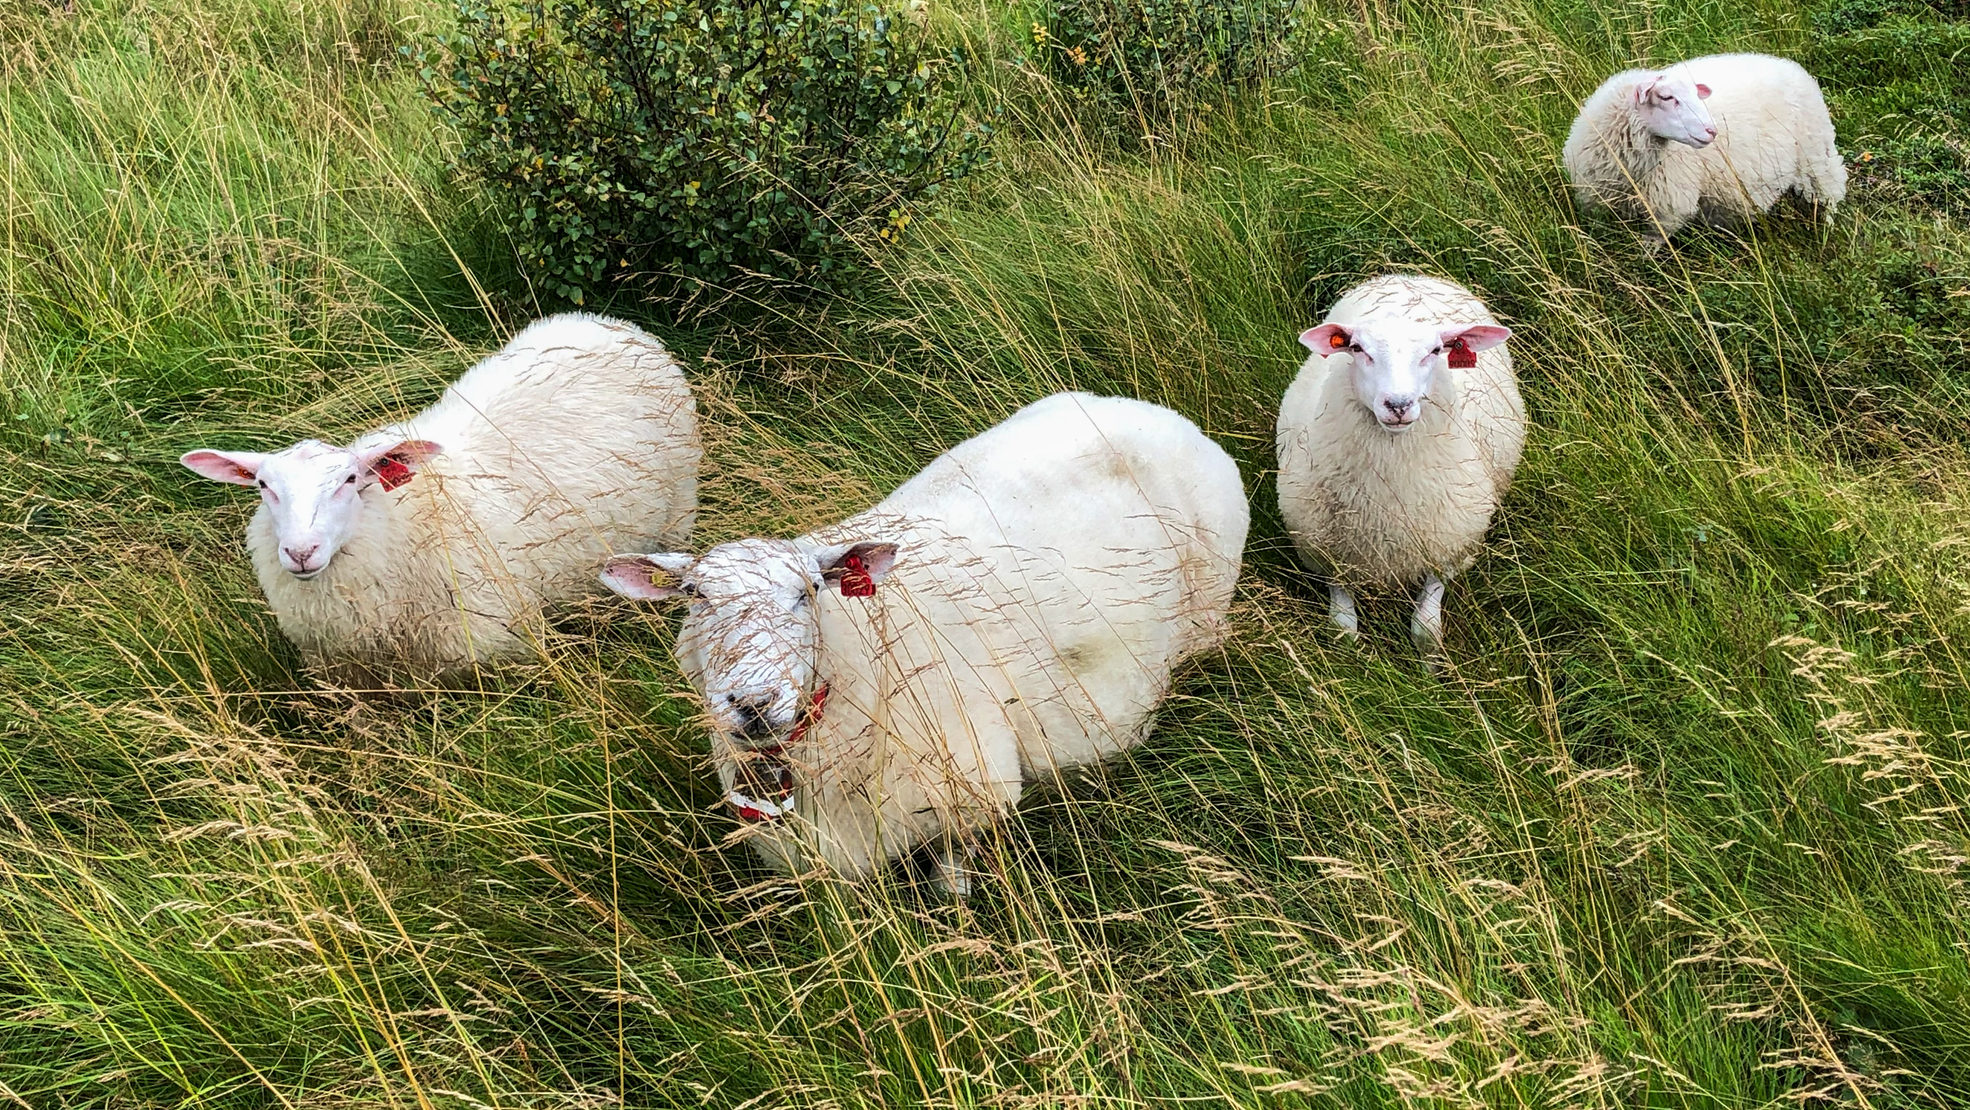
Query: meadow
[[1681, 822]]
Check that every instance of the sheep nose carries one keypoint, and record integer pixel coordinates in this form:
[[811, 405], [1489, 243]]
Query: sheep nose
[[1398, 406], [299, 556], [1711, 132], [750, 711]]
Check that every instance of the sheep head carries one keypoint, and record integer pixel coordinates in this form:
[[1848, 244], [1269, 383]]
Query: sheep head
[[312, 492], [1670, 105], [749, 641], [1397, 364]]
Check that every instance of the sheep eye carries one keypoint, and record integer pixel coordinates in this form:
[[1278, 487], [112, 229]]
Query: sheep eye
[[689, 589], [351, 481]]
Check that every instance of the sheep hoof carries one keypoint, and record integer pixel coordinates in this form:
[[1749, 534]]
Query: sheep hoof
[[1340, 610], [954, 872], [1426, 627]]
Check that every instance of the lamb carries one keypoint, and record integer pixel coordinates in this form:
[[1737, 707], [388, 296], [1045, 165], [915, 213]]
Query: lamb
[[1719, 138], [1397, 441], [427, 546], [1013, 610]]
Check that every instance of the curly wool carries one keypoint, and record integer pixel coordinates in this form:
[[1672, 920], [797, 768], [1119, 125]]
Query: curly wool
[[1774, 136], [576, 439]]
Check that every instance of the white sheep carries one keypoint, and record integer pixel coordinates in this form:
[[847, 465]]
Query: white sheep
[[1014, 609], [1719, 138], [435, 543], [1397, 441]]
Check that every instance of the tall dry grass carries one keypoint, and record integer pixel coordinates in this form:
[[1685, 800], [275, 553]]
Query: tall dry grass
[[1681, 823]]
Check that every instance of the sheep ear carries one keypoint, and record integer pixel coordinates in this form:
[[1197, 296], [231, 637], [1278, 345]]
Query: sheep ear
[[1703, 92], [394, 462], [1326, 339], [855, 568], [1644, 88], [635, 575], [1476, 337], [241, 468]]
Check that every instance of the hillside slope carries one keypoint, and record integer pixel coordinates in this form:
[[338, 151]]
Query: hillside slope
[[1681, 824]]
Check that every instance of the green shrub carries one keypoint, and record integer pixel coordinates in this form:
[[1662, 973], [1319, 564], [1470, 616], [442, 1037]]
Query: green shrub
[[1896, 81], [1926, 169], [1149, 59], [702, 139], [1847, 16]]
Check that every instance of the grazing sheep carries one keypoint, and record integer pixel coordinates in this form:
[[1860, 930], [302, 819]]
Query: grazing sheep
[[1720, 138], [1014, 609], [432, 544], [1397, 441]]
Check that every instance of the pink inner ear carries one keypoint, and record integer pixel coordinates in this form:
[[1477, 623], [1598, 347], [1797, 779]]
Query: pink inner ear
[[856, 571], [634, 576], [1477, 337], [1703, 91], [397, 463], [241, 468], [1322, 340]]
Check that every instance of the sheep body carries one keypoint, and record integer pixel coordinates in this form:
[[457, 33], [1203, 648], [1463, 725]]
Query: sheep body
[[576, 439], [1773, 136], [1370, 509], [1048, 574]]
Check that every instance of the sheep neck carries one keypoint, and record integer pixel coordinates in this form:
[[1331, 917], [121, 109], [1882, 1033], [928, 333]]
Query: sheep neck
[[1642, 149]]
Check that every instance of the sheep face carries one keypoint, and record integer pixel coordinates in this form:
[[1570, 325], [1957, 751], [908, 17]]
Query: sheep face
[[312, 492], [749, 641], [1671, 107], [1397, 364]]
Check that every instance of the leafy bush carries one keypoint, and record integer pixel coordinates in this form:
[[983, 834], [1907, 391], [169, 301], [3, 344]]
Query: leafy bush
[[1149, 58], [1847, 16], [1894, 76], [1924, 168], [700, 138]]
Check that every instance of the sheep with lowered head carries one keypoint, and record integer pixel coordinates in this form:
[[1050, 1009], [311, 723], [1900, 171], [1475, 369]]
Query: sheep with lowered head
[[1397, 441], [1719, 138], [1016, 608], [427, 546]]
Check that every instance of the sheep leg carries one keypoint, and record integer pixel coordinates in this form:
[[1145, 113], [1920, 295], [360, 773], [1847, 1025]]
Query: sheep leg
[[1340, 610], [954, 867], [1427, 626]]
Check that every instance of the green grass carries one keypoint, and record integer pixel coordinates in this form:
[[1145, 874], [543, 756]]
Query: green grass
[[1681, 824]]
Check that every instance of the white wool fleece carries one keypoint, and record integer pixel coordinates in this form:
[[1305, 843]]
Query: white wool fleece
[[1638, 145], [1372, 507], [1032, 589], [576, 439]]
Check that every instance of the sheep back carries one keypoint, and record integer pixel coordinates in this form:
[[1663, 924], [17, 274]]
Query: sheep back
[[1053, 570], [1774, 136], [577, 439]]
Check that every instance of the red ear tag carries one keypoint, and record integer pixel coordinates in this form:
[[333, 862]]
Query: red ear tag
[[391, 472], [1461, 356], [855, 580]]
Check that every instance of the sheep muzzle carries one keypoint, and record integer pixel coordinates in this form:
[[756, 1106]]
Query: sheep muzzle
[[763, 783]]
